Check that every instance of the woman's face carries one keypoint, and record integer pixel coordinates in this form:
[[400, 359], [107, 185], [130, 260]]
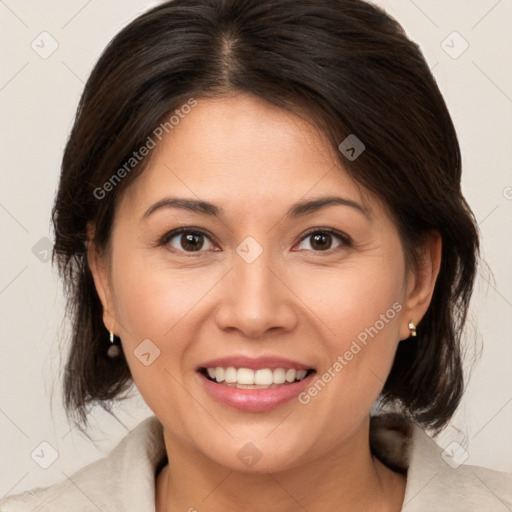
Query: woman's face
[[266, 284]]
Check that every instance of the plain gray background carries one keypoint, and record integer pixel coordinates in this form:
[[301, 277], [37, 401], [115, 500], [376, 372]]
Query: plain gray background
[[39, 93]]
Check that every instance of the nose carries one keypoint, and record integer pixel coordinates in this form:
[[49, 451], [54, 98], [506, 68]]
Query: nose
[[256, 299]]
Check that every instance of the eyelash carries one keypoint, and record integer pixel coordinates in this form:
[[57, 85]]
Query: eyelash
[[346, 241]]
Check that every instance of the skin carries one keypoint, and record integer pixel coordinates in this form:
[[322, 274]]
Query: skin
[[295, 300]]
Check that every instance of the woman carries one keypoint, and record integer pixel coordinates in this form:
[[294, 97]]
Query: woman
[[260, 224]]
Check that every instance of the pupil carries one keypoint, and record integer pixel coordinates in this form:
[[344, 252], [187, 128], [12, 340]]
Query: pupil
[[192, 241], [321, 240]]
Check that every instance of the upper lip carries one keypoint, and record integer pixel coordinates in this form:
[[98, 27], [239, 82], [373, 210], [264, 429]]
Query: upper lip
[[255, 363]]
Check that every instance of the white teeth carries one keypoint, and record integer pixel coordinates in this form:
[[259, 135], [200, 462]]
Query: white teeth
[[263, 377], [218, 373], [290, 375], [230, 374], [279, 376], [246, 378], [301, 374]]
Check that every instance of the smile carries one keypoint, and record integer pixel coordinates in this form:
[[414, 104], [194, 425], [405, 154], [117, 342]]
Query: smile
[[247, 378], [270, 388]]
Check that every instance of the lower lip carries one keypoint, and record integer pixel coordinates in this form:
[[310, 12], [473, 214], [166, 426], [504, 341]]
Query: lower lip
[[255, 400]]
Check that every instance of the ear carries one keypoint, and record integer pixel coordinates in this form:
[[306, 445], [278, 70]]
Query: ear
[[421, 282], [99, 266]]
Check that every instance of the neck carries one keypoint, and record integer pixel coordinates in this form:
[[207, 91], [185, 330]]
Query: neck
[[346, 478]]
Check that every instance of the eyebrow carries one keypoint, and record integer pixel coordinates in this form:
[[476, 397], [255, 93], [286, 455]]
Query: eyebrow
[[297, 210]]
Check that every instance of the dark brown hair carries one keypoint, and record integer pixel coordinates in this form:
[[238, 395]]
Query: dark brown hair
[[352, 70]]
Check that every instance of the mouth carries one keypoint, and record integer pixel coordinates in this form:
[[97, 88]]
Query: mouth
[[249, 378], [254, 386]]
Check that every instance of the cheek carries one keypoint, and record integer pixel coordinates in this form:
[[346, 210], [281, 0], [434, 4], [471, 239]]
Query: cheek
[[372, 314], [151, 305], [359, 310], [151, 298], [154, 301], [354, 299]]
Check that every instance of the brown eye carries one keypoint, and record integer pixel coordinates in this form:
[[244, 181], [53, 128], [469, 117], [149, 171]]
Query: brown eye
[[322, 240], [187, 240], [192, 241]]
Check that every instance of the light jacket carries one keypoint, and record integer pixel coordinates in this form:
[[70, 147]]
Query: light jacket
[[124, 480]]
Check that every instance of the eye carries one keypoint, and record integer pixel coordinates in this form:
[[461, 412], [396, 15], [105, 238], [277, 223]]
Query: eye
[[187, 240], [190, 240], [322, 240]]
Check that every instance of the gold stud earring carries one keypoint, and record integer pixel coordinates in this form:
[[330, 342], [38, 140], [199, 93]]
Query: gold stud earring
[[412, 328]]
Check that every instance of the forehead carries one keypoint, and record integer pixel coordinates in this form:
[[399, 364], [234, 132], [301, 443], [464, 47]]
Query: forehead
[[243, 151]]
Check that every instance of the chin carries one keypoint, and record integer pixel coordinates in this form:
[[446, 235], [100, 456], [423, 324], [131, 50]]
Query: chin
[[258, 453]]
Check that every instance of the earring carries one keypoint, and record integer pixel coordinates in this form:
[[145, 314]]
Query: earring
[[412, 328], [114, 350]]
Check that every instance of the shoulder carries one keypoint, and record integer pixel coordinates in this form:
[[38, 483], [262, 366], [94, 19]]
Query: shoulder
[[436, 479], [123, 480]]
